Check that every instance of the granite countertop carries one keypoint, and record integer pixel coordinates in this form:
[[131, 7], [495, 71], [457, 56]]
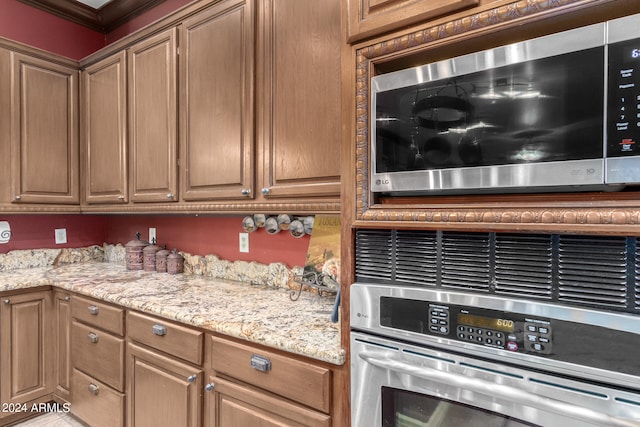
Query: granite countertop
[[256, 313]]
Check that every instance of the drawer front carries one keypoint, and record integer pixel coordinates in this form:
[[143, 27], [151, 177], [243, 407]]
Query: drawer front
[[98, 314], [95, 403], [98, 354], [176, 340], [294, 379]]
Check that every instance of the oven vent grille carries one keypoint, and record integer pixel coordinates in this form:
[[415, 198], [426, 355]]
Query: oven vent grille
[[465, 261], [601, 272], [524, 265], [593, 271]]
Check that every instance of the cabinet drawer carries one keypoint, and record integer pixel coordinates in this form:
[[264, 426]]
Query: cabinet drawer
[[98, 314], [95, 403], [300, 381], [176, 340], [99, 354]]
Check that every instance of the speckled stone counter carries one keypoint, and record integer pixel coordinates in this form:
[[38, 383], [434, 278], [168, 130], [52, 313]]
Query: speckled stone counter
[[256, 313]]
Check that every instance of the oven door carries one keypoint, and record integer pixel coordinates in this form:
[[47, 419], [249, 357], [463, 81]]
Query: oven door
[[394, 384]]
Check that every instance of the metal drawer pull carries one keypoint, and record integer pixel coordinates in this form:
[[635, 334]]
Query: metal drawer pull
[[93, 389], [67, 298], [192, 378], [209, 387], [159, 329], [93, 337], [260, 363], [93, 309], [7, 301]]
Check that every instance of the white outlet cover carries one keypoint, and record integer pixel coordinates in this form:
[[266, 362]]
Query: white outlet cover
[[5, 232], [244, 242], [152, 235], [61, 236]]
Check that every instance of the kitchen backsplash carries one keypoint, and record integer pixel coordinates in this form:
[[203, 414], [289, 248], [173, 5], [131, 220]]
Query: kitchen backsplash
[[274, 274]]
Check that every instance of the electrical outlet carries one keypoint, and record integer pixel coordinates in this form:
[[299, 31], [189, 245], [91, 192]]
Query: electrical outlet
[[61, 236], [244, 242], [152, 235]]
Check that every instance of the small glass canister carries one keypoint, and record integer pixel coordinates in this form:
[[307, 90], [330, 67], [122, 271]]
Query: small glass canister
[[133, 253], [161, 260], [175, 262], [149, 256]]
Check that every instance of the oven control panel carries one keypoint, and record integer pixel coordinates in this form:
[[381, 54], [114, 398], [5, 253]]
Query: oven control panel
[[513, 333], [509, 331]]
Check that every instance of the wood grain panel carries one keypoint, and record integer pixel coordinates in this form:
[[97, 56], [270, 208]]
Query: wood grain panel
[[95, 403], [102, 358]]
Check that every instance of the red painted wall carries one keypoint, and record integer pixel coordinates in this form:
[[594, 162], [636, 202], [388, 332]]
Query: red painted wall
[[38, 231], [37, 28], [202, 235]]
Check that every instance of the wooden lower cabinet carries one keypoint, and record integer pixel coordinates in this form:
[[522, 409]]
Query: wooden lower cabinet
[[26, 342], [162, 391], [95, 403], [228, 404], [62, 344]]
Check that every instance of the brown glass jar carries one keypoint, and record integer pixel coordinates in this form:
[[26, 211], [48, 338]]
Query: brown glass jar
[[133, 253], [175, 262]]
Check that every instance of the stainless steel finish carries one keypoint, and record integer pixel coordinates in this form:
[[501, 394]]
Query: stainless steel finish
[[93, 337], [159, 329], [260, 363], [265, 191], [365, 317], [209, 387], [622, 29], [576, 172], [192, 378], [245, 192], [94, 389], [623, 169], [526, 395], [93, 310]]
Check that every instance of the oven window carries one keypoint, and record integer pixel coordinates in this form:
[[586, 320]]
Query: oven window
[[402, 408]]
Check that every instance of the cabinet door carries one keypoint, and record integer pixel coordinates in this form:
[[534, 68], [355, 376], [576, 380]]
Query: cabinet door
[[229, 405], [299, 123], [162, 391], [153, 119], [26, 331], [44, 132], [62, 325], [104, 127], [371, 17], [216, 93]]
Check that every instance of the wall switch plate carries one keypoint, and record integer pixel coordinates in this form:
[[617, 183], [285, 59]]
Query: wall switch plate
[[244, 242], [61, 236], [152, 235]]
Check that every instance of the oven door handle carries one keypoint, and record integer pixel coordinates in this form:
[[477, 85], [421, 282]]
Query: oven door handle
[[499, 390]]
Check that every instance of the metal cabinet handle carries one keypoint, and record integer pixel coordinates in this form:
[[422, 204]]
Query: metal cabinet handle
[[93, 337], [67, 298], [18, 197], [266, 191], [94, 389], [209, 387], [192, 378], [93, 310], [245, 191], [260, 363], [7, 301], [169, 196], [159, 329]]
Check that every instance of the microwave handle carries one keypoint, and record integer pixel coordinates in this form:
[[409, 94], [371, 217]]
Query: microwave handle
[[493, 389]]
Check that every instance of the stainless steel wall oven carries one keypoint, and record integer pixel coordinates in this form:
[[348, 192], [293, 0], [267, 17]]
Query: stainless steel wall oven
[[495, 329]]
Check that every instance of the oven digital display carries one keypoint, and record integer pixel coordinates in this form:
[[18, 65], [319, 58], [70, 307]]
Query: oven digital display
[[504, 325]]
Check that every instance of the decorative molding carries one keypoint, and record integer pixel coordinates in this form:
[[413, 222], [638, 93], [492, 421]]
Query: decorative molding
[[589, 213], [107, 18]]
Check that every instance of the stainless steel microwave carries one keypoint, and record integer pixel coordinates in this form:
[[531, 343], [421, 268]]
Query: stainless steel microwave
[[555, 113]]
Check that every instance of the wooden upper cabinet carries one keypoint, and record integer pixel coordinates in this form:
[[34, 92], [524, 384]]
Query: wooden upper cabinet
[[152, 66], [372, 17], [104, 131], [299, 121], [44, 135], [216, 101]]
